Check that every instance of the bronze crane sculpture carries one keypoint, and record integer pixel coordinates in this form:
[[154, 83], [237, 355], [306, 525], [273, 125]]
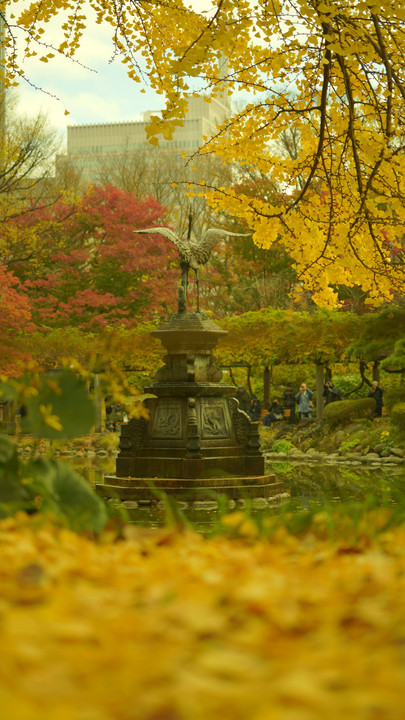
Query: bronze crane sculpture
[[193, 253]]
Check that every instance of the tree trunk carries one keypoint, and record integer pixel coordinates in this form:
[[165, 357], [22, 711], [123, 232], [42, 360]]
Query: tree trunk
[[249, 370], [97, 403], [319, 392], [266, 386], [363, 367], [232, 376], [9, 410]]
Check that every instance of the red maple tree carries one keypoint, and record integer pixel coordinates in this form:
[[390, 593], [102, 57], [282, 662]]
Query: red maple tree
[[15, 320], [98, 272]]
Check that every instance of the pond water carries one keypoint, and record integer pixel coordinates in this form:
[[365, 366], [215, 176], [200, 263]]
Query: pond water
[[310, 487], [341, 483]]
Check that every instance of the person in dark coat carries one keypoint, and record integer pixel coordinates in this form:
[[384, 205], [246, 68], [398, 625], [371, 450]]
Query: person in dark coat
[[255, 408], [243, 397], [114, 416], [275, 413], [377, 393], [289, 403], [331, 393]]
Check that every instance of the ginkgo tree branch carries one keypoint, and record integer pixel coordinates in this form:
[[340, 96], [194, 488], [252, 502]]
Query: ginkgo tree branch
[[331, 70]]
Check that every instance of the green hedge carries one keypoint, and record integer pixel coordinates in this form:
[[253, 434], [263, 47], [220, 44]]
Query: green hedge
[[344, 411], [394, 395], [398, 415]]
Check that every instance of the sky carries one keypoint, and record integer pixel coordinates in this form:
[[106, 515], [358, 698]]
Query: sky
[[91, 90]]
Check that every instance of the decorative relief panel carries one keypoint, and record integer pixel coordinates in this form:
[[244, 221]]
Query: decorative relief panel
[[214, 420], [167, 422]]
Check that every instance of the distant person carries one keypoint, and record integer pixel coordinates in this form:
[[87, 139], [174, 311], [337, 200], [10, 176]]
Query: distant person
[[114, 416], [304, 400], [255, 408], [289, 403], [331, 393], [22, 411], [275, 412], [377, 393], [243, 397]]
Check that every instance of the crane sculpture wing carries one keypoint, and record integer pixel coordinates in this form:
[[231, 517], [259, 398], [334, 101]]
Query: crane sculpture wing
[[185, 247], [212, 237], [193, 253], [166, 232]]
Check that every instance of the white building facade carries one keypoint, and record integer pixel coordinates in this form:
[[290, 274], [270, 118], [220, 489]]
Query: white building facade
[[88, 145]]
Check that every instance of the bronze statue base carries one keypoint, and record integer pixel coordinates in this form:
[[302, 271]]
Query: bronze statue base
[[196, 440], [235, 488]]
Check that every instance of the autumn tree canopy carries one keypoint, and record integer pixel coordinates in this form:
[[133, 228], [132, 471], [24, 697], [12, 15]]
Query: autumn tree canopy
[[15, 321], [331, 70], [93, 269]]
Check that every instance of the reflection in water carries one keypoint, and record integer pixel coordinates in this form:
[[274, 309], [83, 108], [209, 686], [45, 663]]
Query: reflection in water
[[309, 485], [92, 469], [322, 484]]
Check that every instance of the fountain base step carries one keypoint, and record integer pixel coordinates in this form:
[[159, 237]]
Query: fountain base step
[[127, 488]]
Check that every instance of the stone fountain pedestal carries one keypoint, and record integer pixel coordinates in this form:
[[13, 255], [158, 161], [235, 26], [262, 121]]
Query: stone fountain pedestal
[[196, 440]]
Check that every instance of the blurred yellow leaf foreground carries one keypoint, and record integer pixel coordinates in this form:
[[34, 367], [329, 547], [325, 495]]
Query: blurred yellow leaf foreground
[[168, 625]]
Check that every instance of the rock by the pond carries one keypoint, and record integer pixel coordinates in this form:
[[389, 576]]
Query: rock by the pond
[[259, 503], [275, 456], [398, 452], [370, 457], [280, 498], [353, 428], [339, 436], [205, 505], [180, 504]]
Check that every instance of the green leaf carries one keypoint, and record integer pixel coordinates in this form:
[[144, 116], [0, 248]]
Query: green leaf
[[61, 409], [8, 452], [14, 495], [67, 494], [7, 392]]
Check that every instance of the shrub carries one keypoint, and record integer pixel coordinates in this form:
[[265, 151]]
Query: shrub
[[348, 383], [394, 395], [344, 411], [282, 446], [398, 415], [107, 441], [348, 445]]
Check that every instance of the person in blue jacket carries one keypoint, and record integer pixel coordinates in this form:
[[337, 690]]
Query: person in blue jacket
[[304, 401]]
